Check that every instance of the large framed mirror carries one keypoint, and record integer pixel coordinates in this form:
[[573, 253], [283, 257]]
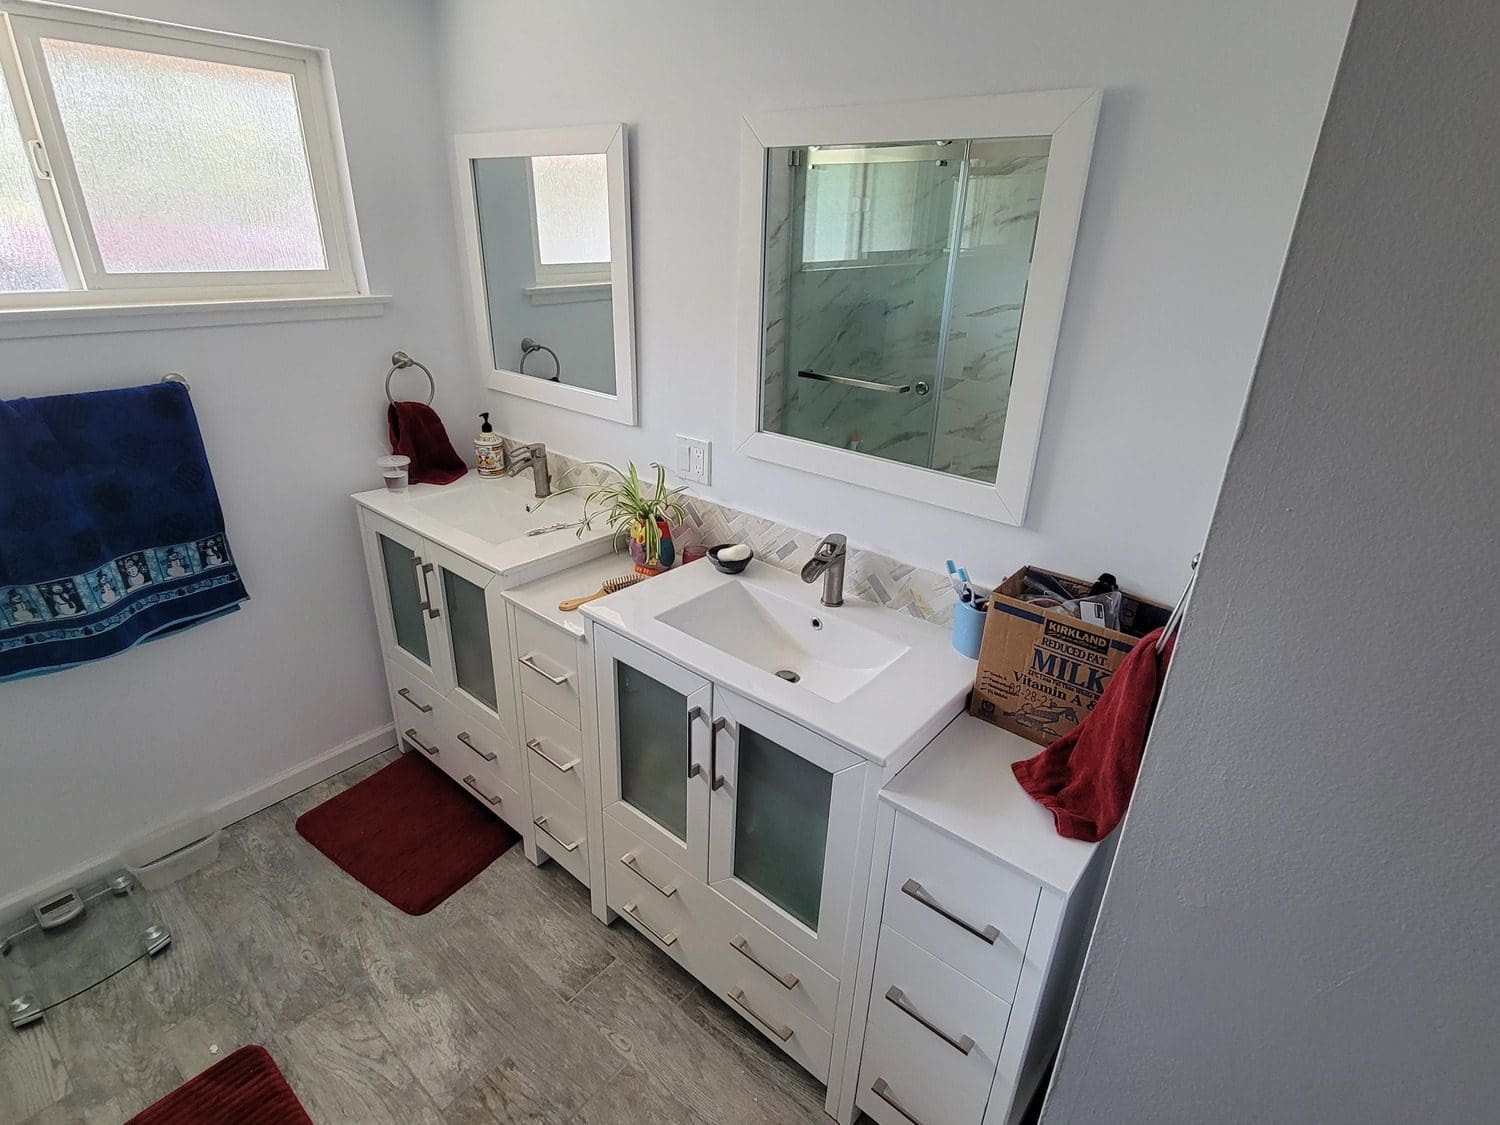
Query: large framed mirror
[[544, 230], [903, 274]]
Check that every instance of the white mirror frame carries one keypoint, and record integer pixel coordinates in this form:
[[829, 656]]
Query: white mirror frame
[[574, 140], [1069, 117]]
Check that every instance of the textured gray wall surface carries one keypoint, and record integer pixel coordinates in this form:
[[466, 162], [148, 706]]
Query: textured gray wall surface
[[1301, 924]]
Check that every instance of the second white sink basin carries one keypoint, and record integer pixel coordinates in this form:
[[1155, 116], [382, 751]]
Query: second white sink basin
[[816, 650]]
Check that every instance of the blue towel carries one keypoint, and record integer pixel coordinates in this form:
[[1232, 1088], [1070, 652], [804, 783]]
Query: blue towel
[[110, 528]]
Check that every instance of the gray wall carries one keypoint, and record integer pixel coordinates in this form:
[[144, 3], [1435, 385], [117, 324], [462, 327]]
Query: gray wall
[[1301, 924]]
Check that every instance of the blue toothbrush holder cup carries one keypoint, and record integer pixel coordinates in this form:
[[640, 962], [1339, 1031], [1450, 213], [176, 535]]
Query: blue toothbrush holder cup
[[968, 629]]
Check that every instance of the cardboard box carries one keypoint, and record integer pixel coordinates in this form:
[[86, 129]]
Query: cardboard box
[[1041, 671]]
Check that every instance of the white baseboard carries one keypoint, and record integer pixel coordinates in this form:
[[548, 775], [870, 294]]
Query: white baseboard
[[237, 807]]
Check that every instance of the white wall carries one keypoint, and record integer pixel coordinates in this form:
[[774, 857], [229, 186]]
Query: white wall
[[1209, 119], [1301, 921], [292, 415]]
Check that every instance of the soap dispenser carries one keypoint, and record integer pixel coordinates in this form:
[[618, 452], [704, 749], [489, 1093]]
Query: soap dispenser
[[489, 450]]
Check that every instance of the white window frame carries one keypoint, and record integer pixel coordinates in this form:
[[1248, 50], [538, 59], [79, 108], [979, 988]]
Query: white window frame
[[27, 22], [561, 275]]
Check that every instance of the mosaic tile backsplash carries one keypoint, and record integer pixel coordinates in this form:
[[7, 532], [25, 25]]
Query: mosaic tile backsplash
[[868, 575]]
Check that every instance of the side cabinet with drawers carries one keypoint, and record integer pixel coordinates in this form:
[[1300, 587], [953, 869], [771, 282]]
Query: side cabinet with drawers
[[978, 918]]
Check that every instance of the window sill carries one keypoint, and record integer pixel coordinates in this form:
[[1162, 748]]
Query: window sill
[[568, 293], [78, 320]]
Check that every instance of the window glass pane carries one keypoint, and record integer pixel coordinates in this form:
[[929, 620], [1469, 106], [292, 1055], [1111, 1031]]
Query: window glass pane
[[186, 166], [572, 208], [28, 260]]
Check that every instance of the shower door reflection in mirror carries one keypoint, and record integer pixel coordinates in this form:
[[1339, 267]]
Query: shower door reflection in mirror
[[895, 279], [909, 264]]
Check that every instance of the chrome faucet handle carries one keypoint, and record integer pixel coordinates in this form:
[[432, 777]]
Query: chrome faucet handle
[[833, 546]]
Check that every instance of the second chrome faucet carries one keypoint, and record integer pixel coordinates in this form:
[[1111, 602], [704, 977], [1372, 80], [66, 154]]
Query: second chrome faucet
[[828, 561]]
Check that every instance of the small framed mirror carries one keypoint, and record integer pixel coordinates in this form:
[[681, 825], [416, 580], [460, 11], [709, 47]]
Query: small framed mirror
[[904, 268], [544, 229]]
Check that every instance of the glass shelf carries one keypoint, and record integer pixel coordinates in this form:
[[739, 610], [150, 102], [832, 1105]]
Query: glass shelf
[[40, 968]]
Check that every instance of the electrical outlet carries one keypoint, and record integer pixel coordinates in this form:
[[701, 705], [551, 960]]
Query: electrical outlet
[[694, 457]]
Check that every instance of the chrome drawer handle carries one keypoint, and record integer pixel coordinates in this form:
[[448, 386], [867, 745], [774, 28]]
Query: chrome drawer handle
[[411, 736], [963, 1044], [917, 891], [541, 822], [463, 736], [530, 661], [780, 1030], [492, 798], [561, 767], [740, 945], [425, 708], [882, 1090], [628, 859], [665, 939]]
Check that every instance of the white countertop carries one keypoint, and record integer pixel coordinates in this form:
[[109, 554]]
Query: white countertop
[[963, 786], [541, 597], [894, 714], [468, 515]]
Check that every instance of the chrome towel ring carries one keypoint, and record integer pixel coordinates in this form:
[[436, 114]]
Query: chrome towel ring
[[400, 361], [528, 346]]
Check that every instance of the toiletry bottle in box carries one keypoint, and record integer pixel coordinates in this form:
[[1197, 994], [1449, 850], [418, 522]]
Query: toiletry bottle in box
[[489, 450]]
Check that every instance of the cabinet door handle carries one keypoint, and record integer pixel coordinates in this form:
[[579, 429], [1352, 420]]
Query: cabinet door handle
[[963, 1044], [561, 767], [628, 859], [694, 714], [405, 693], [917, 891], [720, 723], [541, 822], [530, 661], [463, 736], [780, 1030], [492, 798], [882, 1090], [423, 570], [411, 736], [665, 939], [740, 945]]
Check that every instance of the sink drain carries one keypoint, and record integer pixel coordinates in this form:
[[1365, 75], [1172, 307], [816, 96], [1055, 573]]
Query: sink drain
[[788, 675]]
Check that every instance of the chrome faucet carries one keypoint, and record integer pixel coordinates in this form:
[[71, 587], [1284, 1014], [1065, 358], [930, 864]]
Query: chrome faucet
[[828, 560], [520, 456]]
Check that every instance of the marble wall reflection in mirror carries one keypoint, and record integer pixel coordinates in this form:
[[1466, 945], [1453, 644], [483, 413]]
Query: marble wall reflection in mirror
[[903, 273], [895, 280], [545, 224]]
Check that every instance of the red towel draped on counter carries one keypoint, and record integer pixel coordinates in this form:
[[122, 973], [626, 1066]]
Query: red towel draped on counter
[[1086, 776], [417, 432]]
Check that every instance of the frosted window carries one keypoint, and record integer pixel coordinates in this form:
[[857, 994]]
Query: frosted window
[[28, 262], [186, 166], [572, 208]]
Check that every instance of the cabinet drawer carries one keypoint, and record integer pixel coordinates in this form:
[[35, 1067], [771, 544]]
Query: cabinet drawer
[[470, 747], [963, 907], [750, 953], [415, 706], [932, 1040], [549, 665], [554, 750], [561, 830], [674, 910]]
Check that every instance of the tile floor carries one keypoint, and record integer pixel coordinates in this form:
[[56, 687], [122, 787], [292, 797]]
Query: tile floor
[[507, 1003]]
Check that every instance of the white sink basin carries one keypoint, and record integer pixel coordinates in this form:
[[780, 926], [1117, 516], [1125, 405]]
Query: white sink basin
[[815, 649], [495, 511]]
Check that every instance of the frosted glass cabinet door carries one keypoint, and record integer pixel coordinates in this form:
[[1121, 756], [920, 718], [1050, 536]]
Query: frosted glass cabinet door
[[653, 722], [472, 617], [784, 824], [406, 603]]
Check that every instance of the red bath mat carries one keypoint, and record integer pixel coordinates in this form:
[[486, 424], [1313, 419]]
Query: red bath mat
[[408, 833], [244, 1089]]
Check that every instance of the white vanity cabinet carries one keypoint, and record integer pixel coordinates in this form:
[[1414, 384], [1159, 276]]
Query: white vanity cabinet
[[978, 919]]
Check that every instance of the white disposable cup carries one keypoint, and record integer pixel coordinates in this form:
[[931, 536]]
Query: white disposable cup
[[394, 470]]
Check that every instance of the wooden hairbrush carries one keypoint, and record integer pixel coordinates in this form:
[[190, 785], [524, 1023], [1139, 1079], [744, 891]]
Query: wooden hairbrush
[[609, 587]]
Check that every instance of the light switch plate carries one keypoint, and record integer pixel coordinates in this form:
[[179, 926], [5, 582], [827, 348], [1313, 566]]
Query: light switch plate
[[694, 458]]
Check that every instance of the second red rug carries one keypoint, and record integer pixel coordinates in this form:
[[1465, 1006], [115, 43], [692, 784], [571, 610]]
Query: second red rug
[[409, 833]]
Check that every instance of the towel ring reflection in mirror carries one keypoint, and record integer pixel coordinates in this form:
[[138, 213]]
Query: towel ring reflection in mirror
[[400, 361], [528, 346]]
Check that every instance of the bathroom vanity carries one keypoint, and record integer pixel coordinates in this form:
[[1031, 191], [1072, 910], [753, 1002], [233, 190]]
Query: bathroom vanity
[[784, 797]]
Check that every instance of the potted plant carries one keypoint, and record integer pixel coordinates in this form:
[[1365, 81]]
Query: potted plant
[[642, 513]]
